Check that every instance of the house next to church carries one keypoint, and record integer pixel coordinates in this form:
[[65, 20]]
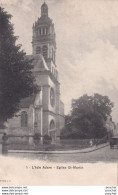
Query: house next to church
[[44, 112]]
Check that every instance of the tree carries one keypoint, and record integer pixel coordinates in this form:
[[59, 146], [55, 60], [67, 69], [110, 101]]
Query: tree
[[16, 78], [88, 116]]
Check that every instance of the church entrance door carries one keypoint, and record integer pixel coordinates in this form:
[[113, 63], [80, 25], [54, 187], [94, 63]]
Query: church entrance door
[[52, 130], [52, 134]]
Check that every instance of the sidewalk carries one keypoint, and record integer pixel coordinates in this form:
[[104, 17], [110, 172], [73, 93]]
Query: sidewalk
[[85, 150]]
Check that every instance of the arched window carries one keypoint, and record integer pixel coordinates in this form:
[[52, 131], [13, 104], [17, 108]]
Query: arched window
[[43, 30], [40, 31], [47, 30], [38, 50], [52, 125], [45, 51], [52, 53], [52, 97], [54, 57], [55, 73], [24, 119]]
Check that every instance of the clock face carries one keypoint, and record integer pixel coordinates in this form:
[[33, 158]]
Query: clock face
[[52, 97]]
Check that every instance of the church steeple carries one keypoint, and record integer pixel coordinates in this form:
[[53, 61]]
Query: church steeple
[[44, 10], [43, 40]]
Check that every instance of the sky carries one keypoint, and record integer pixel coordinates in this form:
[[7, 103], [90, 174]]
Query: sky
[[87, 43]]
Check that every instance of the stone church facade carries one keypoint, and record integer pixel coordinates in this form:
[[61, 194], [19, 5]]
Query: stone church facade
[[44, 112]]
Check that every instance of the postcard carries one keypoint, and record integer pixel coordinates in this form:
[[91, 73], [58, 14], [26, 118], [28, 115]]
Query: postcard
[[58, 93]]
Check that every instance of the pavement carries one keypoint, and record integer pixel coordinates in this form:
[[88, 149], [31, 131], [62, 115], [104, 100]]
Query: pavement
[[85, 150]]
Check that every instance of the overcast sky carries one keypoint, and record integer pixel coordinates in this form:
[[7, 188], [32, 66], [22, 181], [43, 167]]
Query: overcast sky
[[87, 43]]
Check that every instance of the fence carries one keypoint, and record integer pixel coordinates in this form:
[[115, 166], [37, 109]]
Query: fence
[[85, 142], [22, 142]]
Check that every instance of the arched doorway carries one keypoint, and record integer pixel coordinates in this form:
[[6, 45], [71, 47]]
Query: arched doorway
[[52, 130]]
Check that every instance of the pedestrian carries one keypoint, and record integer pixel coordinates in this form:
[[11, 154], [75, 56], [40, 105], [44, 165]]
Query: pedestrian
[[4, 144], [96, 142], [91, 143], [4, 138]]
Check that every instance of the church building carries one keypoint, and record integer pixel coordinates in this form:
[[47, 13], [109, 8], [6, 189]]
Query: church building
[[44, 112]]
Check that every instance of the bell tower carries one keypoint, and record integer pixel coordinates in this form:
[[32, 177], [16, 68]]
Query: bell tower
[[44, 10], [45, 70], [43, 40]]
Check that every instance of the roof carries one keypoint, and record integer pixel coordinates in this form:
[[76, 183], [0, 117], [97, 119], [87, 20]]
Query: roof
[[26, 102], [44, 5], [38, 62], [43, 20]]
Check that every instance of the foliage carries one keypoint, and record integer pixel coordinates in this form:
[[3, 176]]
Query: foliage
[[88, 116], [37, 136], [16, 79], [4, 137], [47, 139]]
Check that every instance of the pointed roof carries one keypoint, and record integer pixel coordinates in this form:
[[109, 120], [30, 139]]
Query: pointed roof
[[44, 10], [38, 62], [26, 102], [44, 5], [44, 19]]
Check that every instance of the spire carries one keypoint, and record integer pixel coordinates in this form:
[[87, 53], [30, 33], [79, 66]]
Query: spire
[[44, 40], [44, 10]]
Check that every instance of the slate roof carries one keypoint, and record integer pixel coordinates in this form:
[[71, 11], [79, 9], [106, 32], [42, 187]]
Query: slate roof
[[38, 62], [39, 65], [26, 102]]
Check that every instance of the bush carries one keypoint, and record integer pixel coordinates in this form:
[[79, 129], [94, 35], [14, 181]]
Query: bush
[[47, 139], [37, 136], [4, 137], [73, 134]]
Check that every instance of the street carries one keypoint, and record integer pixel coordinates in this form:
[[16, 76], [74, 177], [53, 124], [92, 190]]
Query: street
[[101, 155]]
